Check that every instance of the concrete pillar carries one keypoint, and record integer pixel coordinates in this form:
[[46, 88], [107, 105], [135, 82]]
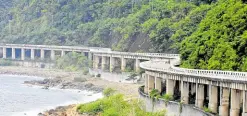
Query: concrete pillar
[[158, 84], [244, 113], [53, 55], [90, 56], [150, 83], [62, 53], [185, 92], [103, 63], [235, 101], [32, 54], [123, 64], [96, 62], [13, 53], [22, 54], [4, 53], [42, 54], [170, 87], [224, 101], [112, 63], [137, 65], [146, 83], [199, 95], [213, 98]]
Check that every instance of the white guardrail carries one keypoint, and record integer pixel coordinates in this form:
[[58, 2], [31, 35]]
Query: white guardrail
[[214, 74]]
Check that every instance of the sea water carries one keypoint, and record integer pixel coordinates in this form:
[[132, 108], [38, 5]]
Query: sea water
[[18, 99]]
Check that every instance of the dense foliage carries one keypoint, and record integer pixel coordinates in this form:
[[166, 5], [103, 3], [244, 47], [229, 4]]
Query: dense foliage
[[124, 25], [209, 34], [115, 106], [220, 40], [73, 62]]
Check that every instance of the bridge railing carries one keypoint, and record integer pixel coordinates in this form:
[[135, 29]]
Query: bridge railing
[[217, 74], [209, 72], [137, 54], [55, 47]]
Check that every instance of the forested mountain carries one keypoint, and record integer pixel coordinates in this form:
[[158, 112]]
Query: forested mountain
[[209, 34], [120, 24]]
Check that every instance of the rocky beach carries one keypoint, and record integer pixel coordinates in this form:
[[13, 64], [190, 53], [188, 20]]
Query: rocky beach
[[65, 84]]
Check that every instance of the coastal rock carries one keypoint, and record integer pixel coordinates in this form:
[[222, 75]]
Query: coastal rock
[[62, 84]]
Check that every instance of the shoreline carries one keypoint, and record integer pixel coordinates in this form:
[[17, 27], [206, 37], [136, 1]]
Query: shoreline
[[128, 89]]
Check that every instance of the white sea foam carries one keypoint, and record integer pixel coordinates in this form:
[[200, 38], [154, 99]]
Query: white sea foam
[[35, 112]]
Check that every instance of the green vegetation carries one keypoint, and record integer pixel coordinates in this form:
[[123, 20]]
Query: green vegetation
[[206, 109], [73, 62], [4, 62], [121, 24], [220, 40], [167, 97], [154, 94], [115, 105], [108, 92], [209, 34]]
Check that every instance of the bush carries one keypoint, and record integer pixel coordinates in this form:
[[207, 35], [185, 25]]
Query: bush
[[167, 97], [85, 71], [4, 62], [128, 69], [154, 93], [108, 92], [73, 62], [115, 106], [206, 109]]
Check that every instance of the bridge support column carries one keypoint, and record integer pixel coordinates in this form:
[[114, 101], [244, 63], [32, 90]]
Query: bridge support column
[[244, 103], [199, 95], [13, 53], [62, 53], [22, 54], [53, 55], [42, 54], [96, 62], [158, 84], [123, 64], [137, 65], [213, 98], [170, 87], [224, 101], [146, 84], [32, 54], [150, 83], [185, 92], [235, 101], [103, 63], [90, 57], [112, 63], [4, 53]]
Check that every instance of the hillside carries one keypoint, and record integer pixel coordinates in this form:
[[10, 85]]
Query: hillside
[[121, 24], [209, 34]]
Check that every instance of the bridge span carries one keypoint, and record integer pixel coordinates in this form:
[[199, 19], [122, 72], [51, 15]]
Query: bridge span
[[223, 92]]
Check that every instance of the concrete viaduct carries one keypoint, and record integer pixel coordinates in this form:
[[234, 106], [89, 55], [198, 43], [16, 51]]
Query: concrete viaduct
[[225, 91]]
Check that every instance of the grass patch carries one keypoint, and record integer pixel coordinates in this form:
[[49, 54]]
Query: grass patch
[[115, 105]]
